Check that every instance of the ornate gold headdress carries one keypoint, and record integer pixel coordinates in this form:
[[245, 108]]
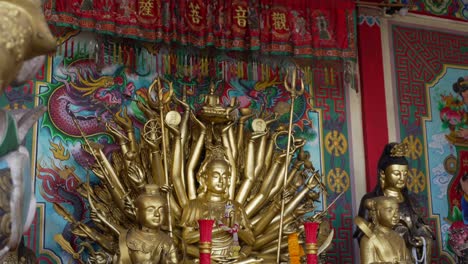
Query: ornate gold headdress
[[399, 150], [216, 152]]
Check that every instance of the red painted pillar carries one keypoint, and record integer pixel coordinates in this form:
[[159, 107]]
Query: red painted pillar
[[375, 128]]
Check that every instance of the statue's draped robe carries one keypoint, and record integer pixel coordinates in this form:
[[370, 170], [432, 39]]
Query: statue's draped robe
[[203, 209], [150, 248], [384, 246]]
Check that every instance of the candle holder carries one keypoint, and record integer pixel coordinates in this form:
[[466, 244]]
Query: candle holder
[[311, 248], [206, 228]]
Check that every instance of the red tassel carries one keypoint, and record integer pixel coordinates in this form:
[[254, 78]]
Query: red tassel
[[310, 229], [206, 228]]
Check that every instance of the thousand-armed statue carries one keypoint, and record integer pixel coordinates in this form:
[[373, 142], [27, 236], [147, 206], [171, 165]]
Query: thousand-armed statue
[[220, 163]]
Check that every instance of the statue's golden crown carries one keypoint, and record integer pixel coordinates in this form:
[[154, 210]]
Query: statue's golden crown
[[399, 150]]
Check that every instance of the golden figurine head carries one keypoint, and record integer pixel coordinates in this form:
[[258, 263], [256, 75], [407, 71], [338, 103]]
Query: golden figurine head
[[384, 211], [393, 167], [150, 207], [215, 174]]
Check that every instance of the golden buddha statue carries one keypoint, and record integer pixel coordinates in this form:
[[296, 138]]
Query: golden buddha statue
[[380, 243], [218, 168], [392, 175], [147, 243], [232, 230]]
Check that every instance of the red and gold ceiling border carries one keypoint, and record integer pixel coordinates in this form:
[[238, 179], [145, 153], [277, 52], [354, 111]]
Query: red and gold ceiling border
[[303, 28]]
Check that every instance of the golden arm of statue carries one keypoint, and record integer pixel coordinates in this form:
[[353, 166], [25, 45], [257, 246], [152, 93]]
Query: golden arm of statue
[[295, 172], [271, 234], [270, 147], [84, 230], [112, 175], [278, 184], [233, 142], [194, 159], [262, 222], [147, 111], [119, 137], [98, 216], [291, 206], [106, 171], [246, 235], [127, 125], [137, 176], [176, 172], [265, 150], [184, 121], [246, 113], [153, 143], [367, 251], [260, 159], [228, 146], [255, 204], [249, 171]]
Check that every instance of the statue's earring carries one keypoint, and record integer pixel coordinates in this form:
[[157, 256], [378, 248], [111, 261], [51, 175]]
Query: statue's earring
[[382, 179]]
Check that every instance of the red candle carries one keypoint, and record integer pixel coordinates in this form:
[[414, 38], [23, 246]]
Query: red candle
[[310, 229], [206, 228]]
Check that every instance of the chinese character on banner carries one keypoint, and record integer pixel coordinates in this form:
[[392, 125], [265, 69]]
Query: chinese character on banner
[[241, 16], [279, 21], [146, 8], [195, 13]]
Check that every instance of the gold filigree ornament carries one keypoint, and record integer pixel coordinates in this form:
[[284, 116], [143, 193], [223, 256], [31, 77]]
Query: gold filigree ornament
[[336, 143], [338, 180], [399, 150], [415, 147], [416, 181]]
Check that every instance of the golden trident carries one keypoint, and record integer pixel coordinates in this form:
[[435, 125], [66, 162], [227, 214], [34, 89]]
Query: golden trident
[[291, 88]]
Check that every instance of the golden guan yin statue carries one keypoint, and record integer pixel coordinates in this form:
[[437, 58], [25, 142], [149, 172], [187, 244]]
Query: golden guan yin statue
[[210, 165], [392, 182], [380, 243], [24, 40]]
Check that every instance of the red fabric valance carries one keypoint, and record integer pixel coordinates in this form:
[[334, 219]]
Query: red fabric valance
[[302, 28]]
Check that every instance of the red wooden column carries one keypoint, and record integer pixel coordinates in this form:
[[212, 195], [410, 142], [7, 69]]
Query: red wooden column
[[375, 128]]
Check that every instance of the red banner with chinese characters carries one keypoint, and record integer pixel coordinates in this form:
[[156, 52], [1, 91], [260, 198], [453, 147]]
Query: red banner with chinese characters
[[319, 28]]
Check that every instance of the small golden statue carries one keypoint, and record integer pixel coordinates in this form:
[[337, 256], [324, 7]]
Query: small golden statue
[[147, 243], [392, 180], [380, 243], [232, 224]]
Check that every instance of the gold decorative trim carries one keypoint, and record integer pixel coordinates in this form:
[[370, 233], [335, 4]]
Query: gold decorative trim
[[311, 248], [205, 247]]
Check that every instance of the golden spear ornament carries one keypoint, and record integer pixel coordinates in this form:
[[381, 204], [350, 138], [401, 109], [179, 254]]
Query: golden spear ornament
[[162, 101], [291, 88]]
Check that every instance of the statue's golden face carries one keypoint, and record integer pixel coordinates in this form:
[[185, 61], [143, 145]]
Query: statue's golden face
[[217, 175], [395, 176], [150, 213], [387, 213]]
